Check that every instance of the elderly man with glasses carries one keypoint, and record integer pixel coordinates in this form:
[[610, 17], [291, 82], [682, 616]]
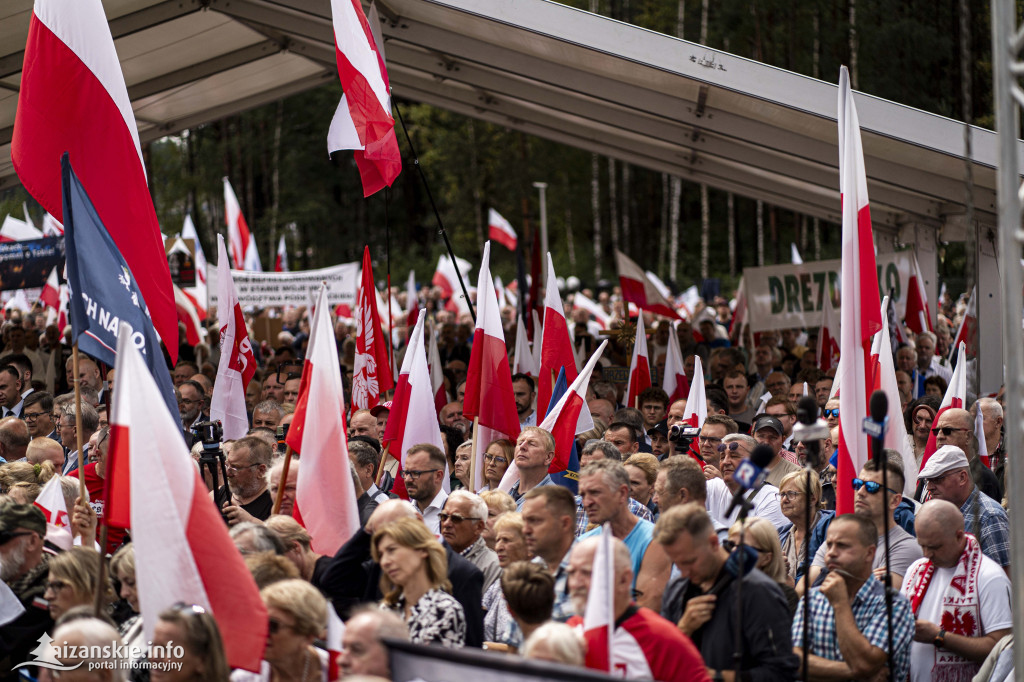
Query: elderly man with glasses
[[463, 521], [764, 502], [955, 426], [245, 497]]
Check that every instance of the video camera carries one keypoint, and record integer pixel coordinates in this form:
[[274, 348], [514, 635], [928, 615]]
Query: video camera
[[682, 435]]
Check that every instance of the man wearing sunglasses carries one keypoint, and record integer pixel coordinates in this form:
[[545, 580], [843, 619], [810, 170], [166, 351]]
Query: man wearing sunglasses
[[956, 427], [23, 567], [733, 449], [463, 521]]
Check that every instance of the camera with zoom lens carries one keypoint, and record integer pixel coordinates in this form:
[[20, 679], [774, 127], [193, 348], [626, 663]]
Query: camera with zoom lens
[[683, 434]]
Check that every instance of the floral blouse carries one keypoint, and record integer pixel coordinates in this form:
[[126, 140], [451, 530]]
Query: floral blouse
[[437, 618]]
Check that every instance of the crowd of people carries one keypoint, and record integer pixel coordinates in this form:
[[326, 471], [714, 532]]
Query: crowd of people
[[779, 587]]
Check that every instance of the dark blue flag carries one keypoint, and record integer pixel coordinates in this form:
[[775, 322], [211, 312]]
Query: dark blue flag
[[570, 478], [103, 292]]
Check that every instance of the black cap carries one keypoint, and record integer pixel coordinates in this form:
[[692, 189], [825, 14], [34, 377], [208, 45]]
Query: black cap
[[766, 421], [661, 427]]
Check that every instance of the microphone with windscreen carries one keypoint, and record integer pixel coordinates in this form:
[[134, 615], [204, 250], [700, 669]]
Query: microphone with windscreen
[[810, 430], [750, 475]]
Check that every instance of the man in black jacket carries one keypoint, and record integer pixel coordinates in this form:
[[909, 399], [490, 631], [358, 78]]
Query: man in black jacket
[[23, 567], [352, 577]]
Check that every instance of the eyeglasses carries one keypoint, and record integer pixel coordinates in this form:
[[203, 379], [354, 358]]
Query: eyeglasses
[[872, 486], [410, 473], [834, 412], [56, 585], [455, 518], [709, 439], [234, 470], [789, 495], [32, 416], [935, 480], [6, 536], [731, 447], [497, 459], [730, 546], [274, 626], [946, 430]]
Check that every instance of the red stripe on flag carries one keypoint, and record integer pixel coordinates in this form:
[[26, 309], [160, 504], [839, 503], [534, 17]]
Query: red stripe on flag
[[117, 506], [490, 396], [564, 432]]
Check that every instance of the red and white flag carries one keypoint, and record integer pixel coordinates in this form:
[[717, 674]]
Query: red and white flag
[[523, 362], [335, 635], [979, 433], [859, 283], [58, 522], [198, 291], [182, 549], [325, 498], [599, 616], [237, 362], [739, 316], [828, 336], [639, 366], [413, 419], [556, 349], [50, 295], [674, 381], [967, 332], [500, 230], [918, 314], [281, 261], [363, 119], [447, 278], [884, 373], [188, 315], [412, 300], [637, 288], [955, 397], [244, 253], [581, 302], [436, 372], [696, 406], [72, 98], [371, 371], [14, 230], [51, 227], [489, 396]]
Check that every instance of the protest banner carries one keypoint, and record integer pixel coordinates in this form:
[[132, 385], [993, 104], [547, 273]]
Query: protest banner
[[791, 295], [27, 264], [265, 289]]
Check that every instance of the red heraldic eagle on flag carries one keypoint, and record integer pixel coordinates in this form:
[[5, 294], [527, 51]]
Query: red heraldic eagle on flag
[[237, 362], [828, 336], [489, 396], [859, 283], [639, 290], [363, 119], [556, 347], [243, 244], [72, 98], [500, 230], [674, 382], [182, 549], [639, 366], [325, 498], [371, 371]]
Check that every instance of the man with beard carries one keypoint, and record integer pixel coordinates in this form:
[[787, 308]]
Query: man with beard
[[524, 391], [273, 388], [191, 399], [23, 566], [245, 497], [423, 474]]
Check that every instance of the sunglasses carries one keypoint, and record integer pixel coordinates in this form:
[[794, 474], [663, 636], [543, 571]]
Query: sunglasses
[[946, 430], [872, 486], [834, 412], [454, 518], [731, 447]]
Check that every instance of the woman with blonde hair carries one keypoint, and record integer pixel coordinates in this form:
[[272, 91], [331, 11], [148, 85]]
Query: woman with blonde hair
[[497, 458], [414, 580], [510, 546], [460, 470], [36, 475], [122, 568], [195, 631], [74, 581], [760, 534], [793, 494], [498, 502]]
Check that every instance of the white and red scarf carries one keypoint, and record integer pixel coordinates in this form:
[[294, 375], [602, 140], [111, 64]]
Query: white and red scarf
[[961, 609]]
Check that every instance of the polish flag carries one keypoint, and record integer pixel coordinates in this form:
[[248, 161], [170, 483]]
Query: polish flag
[[72, 98], [637, 288], [599, 616], [674, 382], [556, 349], [436, 373], [51, 227], [446, 277], [412, 300], [413, 419], [538, 338], [489, 397], [335, 635], [62, 312], [500, 230], [523, 361], [918, 314], [639, 366], [58, 522], [188, 315], [50, 295], [281, 262], [885, 380], [325, 498], [581, 302], [828, 336], [967, 332], [371, 372], [233, 376], [362, 121], [198, 292], [244, 253], [979, 433], [568, 417], [14, 230], [182, 548], [859, 283], [696, 406], [739, 316], [955, 397]]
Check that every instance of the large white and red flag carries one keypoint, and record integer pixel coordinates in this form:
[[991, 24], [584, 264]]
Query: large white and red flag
[[244, 253], [198, 291], [828, 335], [918, 314], [50, 295], [413, 417], [362, 121], [446, 277], [237, 362], [371, 371], [581, 302], [858, 323], [885, 381], [281, 259], [599, 616], [58, 522], [523, 362], [500, 230], [72, 98], [436, 371], [955, 397], [188, 315], [638, 289], [967, 332], [556, 349], [696, 406], [639, 366], [325, 498], [674, 381], [489, 397], [182, 549]]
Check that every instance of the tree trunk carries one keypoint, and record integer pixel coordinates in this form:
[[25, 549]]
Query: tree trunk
[[570, 242], [275, 172], [663, 236], [673, 248], [704, 22], [595, 207], [816, 49], [760, 233], [854, 81], [731, 201], [705, 230], [613, 204], [474, 172], [681, 18], [627, 205], [773, 231], [816, 228]]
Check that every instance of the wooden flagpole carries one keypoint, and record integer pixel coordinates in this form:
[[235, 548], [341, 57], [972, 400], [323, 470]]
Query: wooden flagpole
[[476, 444], [284, 480], [82, 491]]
